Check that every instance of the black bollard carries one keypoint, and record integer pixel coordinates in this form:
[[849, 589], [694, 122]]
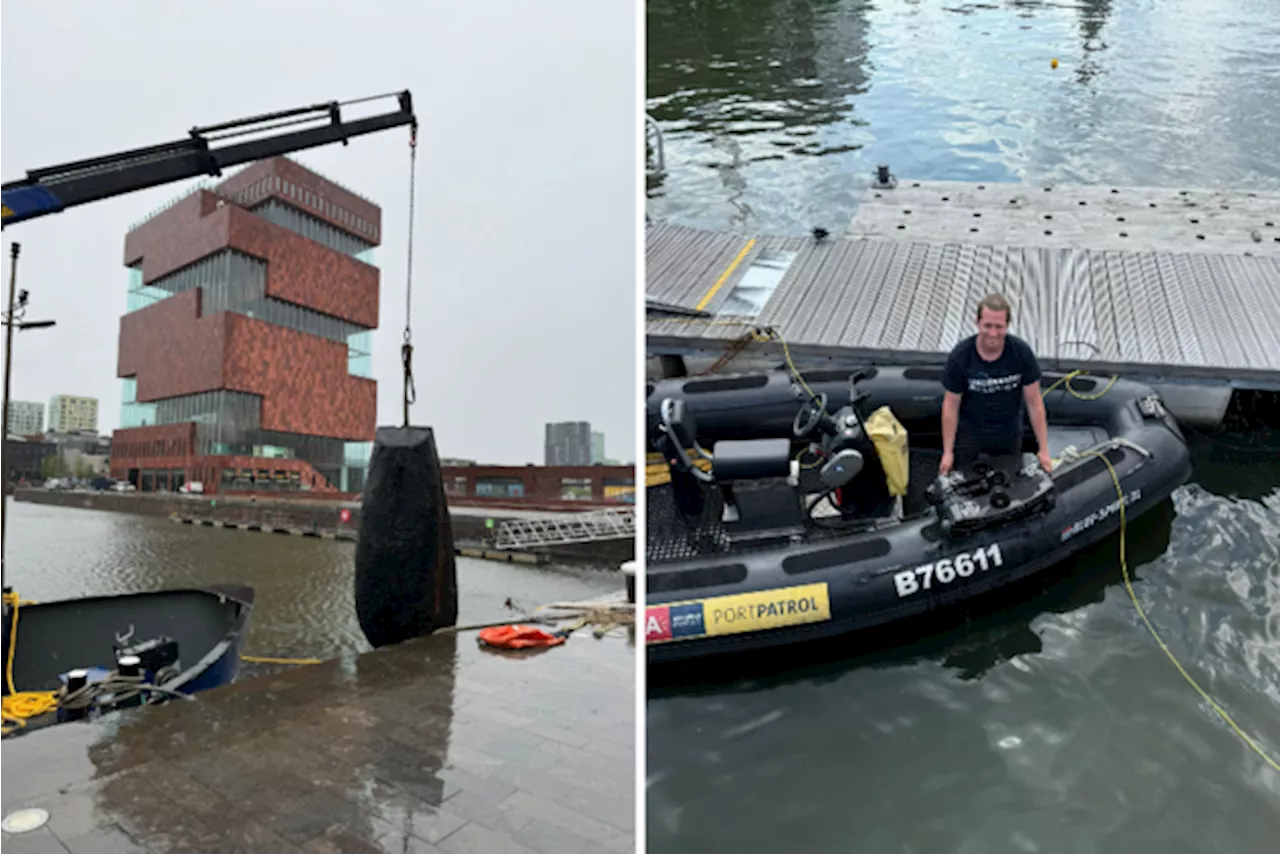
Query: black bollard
[[406, 577]]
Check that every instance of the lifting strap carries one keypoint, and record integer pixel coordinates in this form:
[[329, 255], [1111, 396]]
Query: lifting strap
[[406, 350]]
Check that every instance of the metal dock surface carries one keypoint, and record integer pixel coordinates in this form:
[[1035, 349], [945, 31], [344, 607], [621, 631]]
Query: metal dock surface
[[1182, 286]]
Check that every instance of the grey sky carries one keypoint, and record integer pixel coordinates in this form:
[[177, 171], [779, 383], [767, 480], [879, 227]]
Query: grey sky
[[524, 293]]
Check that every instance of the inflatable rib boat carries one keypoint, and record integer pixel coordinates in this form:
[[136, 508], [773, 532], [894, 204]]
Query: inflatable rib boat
[[786, 507]]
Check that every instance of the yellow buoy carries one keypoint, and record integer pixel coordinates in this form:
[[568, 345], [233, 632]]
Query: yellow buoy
[[1053, 63]]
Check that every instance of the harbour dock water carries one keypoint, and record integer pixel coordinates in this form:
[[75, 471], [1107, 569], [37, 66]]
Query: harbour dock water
[[1180, 288], [435, 745]]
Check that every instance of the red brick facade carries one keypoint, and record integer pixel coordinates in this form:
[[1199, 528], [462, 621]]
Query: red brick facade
[[302, 379], [309, 192], [173, 350], [299, 270]]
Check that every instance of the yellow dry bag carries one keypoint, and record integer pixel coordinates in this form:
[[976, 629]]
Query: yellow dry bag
[[890, 439]]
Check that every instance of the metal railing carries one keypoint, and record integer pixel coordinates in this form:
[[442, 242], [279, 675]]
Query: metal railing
[[614, 523], [655, 163]]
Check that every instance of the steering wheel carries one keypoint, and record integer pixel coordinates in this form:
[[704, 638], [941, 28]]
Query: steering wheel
[[808, 416], [681, 452]]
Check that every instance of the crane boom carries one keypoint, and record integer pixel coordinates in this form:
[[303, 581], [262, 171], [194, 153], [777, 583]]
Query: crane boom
[[51, 190]]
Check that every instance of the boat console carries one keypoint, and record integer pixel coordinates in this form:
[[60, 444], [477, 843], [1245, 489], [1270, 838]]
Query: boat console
[[761, 481], [991, 493]]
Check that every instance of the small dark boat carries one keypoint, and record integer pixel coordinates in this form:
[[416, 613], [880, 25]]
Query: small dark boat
[[819, 510], [166, 643]]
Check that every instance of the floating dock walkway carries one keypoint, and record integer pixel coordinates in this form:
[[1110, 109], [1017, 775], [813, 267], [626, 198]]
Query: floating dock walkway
[[1179, 288]]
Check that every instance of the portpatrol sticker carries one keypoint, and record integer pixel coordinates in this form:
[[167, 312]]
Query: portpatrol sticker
[[744, 612]]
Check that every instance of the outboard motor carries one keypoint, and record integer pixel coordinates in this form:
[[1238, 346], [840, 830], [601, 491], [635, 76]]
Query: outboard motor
[[406, 578], [991, 493]]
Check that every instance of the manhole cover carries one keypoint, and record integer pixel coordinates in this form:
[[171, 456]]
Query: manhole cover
[[23, 821]]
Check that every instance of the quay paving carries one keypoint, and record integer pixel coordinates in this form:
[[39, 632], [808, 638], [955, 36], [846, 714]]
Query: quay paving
[[436, 745]]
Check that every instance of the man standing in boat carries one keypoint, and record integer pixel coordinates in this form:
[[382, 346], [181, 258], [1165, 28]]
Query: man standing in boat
[[989, 378]]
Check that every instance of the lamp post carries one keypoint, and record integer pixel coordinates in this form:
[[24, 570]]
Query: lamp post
[[17, 308]]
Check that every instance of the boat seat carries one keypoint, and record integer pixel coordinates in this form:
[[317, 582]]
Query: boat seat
[[750, 459], [758, 482]]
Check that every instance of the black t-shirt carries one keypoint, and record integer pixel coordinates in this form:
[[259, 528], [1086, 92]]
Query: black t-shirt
[[991, 402]]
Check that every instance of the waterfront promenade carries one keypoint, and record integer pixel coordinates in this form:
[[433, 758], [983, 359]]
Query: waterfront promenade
[[436, 745]]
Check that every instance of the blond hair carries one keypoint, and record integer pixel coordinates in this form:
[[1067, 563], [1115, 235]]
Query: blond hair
[[995, 302]]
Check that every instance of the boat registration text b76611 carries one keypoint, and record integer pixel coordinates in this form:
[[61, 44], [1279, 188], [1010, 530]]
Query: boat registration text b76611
[[946, 570]]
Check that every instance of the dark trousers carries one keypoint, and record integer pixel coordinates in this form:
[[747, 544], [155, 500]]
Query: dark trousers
[[969, 445]]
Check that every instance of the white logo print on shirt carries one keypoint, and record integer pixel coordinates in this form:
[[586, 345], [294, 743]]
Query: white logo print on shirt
[[992, 385]]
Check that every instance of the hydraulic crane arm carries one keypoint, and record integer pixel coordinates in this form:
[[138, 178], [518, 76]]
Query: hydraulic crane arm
[[46, 191]]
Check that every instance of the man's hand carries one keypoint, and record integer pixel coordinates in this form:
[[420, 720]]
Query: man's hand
[[1046, 462], [948, 463]]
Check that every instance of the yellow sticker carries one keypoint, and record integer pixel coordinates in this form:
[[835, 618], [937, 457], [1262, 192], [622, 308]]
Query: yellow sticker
[[743, 612], [6, 211]]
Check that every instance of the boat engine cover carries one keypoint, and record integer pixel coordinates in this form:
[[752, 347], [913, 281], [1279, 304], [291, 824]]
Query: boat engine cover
[[406, 578], [991, 493]]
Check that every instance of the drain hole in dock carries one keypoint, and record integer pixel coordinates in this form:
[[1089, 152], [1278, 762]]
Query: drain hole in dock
[[1151, 205], [1048, 216], [975, 229], [1082, 204], [1119, 219], [946, 198], [917, 184], [1199, 237], [1195, 221], [975, 213], [1048, 231], [1115, 190], [901, 227], [1270, 224], [1124, 234], [982, 186], [906, 210]]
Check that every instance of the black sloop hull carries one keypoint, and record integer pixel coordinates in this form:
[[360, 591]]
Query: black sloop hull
[[707, 594], [209, 626]]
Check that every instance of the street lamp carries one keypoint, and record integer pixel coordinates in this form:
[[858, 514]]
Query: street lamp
[[17, 309]]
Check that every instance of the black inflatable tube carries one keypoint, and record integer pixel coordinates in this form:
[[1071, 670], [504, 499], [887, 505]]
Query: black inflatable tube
[[860, 572]]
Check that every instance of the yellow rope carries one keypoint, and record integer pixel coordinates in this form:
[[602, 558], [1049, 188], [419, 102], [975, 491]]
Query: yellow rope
[[18, 706], [1124, 568], [262, 659]]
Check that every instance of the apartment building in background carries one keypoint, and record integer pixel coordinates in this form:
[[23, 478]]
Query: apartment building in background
[[568, 443], [26, 418], [71, 414]]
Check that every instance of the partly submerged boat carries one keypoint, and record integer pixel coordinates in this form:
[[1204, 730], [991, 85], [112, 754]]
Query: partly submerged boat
[[819, 511], [69, 659]]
